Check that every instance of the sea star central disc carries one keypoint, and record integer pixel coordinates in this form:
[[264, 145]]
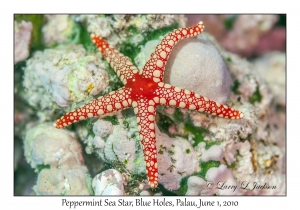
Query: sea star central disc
[[141, 87]]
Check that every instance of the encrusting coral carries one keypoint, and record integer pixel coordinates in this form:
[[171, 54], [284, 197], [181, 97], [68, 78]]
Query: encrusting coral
[[58, 29], [109, 182], [61, 76], [22, 40], [57, 155], [64, 77], [247, 30]]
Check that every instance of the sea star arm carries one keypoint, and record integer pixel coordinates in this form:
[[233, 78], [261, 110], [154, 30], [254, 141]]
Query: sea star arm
[[174, 96], [114, 101], [155, 66], [145, 113], [120, 63]]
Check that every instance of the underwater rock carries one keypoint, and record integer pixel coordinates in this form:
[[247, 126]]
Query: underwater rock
[[57, 157], [63, 181], [172, 157], [61, 76], [215, 152], [246, 33], [116, 144], [109, 182], [117, 28], [272, 67], [58, 29], [102, 128], [198, 186], [222, 179], [46, 145], [22, 40], [119, 147]]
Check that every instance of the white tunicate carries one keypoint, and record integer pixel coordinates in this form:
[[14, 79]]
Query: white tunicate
[[109, 182], [196, 65]]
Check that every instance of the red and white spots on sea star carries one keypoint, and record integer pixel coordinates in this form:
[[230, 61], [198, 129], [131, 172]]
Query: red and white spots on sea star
[[114, 101], [144, 92], [175, 96], [155, 66], [121, 64]]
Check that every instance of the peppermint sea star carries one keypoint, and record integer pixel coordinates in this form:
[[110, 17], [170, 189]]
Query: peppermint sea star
[[144, 91]]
